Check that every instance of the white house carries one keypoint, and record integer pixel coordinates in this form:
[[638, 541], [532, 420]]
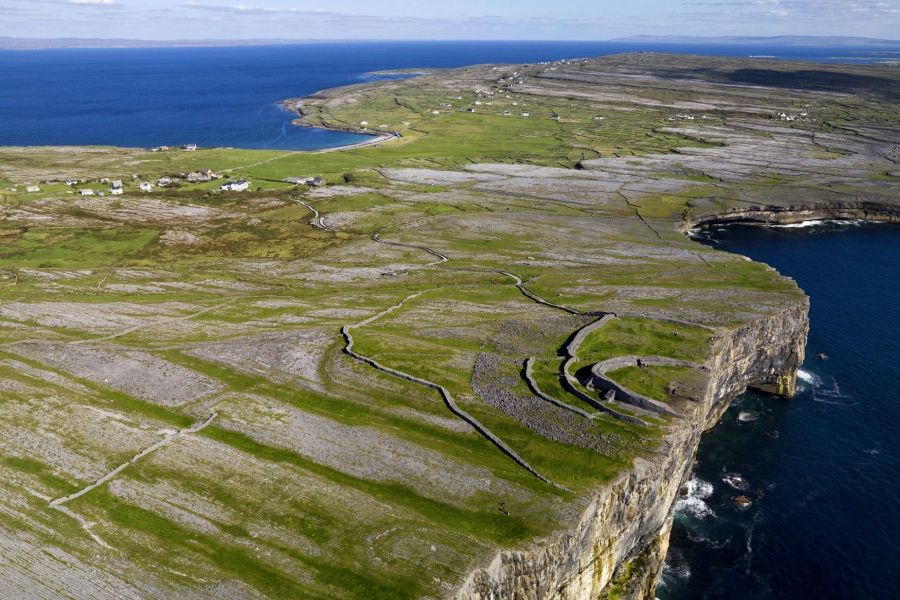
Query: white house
[[116, 184], [236, 186], [189, 147], [526, 113], [32, 188], [363, 123], [116, 191], [86, 192], [145, 186], [163, 181], [71, 181]]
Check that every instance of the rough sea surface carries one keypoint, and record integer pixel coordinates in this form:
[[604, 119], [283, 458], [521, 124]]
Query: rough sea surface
[[221, 97], [823, 470]]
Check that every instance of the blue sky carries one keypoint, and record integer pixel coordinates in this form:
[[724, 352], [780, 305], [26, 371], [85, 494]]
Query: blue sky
[[443, 19]]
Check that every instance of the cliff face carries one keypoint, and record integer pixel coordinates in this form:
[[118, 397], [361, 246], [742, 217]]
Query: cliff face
[[868, 210], [617, 549]]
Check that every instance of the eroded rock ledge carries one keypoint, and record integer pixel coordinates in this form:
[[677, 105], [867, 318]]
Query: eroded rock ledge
[[867, 210], [618, 546]]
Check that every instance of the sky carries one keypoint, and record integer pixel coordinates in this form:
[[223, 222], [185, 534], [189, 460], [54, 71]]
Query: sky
[[443, 19]]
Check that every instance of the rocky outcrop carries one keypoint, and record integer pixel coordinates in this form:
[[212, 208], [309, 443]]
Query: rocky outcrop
[[618, 546]]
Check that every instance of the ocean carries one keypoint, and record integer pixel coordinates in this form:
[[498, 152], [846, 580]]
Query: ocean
[[229, 96], [821, 470]]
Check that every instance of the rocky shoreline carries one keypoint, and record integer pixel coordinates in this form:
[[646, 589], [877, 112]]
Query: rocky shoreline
[[295, 105]]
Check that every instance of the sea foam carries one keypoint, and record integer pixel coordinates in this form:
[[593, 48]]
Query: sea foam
[[693, 501], [819, 222], [807, 377]]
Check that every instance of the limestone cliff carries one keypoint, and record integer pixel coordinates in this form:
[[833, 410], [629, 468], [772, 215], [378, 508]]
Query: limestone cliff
[[868, 210], [618, 547]]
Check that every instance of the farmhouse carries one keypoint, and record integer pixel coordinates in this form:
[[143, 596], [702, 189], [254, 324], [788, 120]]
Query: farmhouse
[[32, 188], [86, 192], [145, 186], [236, 186]]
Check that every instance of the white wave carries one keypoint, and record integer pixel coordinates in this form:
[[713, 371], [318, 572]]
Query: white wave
[[680, 571], [819, 222], [736, 480], [807, 377], [746, 415], [801, 224], [692, 502]]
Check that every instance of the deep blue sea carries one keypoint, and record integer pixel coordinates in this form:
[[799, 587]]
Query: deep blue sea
[[229, 96], [822, 470]]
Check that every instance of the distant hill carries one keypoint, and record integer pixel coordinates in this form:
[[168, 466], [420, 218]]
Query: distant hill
[[11, 43], [779, 40]]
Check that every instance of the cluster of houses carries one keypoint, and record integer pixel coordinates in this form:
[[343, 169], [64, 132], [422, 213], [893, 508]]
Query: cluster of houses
[[684, 117], [202, 176], [803, 116], [310, 181], [116, 187], [515, 79], [185, 147]]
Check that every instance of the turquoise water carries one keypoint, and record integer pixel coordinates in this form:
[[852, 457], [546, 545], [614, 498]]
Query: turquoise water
[[142, 97], [822, 470]]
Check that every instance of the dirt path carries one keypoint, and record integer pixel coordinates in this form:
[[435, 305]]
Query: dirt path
[[317, 221]]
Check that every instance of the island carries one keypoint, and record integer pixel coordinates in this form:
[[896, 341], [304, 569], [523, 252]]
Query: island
[[472, 359]]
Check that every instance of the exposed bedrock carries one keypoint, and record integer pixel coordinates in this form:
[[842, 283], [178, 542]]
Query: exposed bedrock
[[868, 210], [618, 546]]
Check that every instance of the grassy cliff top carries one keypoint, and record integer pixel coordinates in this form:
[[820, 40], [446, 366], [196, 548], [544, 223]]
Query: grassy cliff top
[[476, 240]]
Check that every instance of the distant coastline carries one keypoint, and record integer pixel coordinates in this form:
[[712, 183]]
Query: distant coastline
[[13, 43]]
